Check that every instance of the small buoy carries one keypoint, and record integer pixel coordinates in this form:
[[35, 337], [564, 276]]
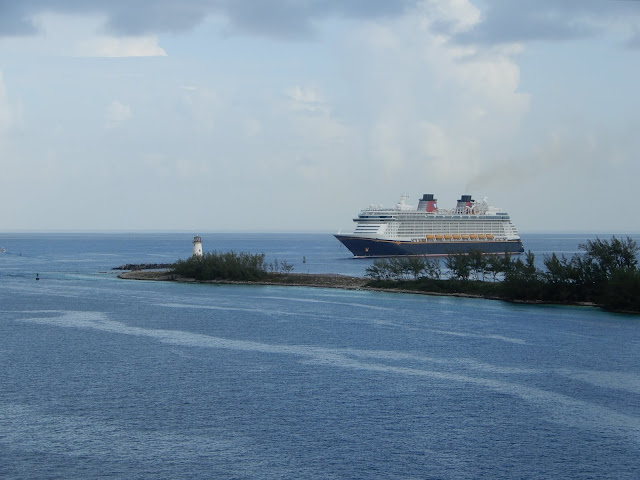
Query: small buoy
[[37, 276]]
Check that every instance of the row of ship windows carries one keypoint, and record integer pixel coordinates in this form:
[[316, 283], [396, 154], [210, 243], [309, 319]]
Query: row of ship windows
[[423, 216], [447, 227], [422, 234], [469, 218], [402, 232], [475, 223], [422, 229]]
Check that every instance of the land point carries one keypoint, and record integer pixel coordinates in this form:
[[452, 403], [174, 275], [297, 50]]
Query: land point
[[320, 280]]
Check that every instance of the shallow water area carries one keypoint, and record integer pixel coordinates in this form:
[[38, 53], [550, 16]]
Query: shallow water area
[[110, 378]]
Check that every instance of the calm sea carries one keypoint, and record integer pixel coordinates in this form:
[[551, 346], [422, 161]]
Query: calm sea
[[107, 378]]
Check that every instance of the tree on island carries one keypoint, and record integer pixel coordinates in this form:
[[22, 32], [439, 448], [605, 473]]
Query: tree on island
[[606, 274], [286, 267], [226, 265], [229, 266]]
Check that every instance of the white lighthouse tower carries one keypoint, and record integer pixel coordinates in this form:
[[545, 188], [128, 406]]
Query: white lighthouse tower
[[197, 246]]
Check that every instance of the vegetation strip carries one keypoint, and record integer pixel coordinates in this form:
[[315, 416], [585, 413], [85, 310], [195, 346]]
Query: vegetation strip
[[605, 275]]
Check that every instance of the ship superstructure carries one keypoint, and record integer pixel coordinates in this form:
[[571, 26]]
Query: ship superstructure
[[429, 230]]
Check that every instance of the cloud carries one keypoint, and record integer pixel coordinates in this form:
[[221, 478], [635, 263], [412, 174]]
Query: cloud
[[281, 18], [506, 21], [503, 21], [634, 40], [80, 36], [5, 113], [307, 100], [15, 18], [11, 118], [117, 113], [252, 127], [393, 99], [103, 46], [203, 104], [431, 106]]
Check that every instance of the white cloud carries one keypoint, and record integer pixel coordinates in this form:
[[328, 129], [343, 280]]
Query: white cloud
[[117, 113], [307, 100], [456, 15], [81, 36], [102, 46], [204, 105], [435, 108], [311, 121], [387, 146], [11, 119], [252, 127], [5, 113], [449, 156]]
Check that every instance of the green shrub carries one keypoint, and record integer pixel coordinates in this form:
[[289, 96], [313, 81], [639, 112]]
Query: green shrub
[[222, 266]]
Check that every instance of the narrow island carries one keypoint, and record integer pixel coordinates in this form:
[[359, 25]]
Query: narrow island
[[606, 275]]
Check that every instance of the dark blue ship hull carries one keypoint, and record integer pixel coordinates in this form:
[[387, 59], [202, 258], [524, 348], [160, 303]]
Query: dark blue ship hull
[[367, 247]]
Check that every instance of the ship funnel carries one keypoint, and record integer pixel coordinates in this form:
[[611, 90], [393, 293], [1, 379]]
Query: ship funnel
[[428, 203], [464, 202]]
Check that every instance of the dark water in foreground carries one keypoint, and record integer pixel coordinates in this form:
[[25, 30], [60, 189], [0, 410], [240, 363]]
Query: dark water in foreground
[[105, 378]]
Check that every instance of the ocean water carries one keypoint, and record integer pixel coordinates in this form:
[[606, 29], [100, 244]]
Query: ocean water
[[107, 378]]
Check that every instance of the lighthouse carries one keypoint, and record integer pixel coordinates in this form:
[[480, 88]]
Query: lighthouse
[[197, 246]]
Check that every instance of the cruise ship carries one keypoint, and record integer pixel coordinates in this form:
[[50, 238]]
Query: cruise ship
[[431, 231]]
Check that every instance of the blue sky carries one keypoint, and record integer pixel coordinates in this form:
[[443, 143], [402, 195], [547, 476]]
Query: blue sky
[[220, 115]]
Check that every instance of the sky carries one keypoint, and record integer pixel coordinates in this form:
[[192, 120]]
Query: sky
[[292, 115]]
